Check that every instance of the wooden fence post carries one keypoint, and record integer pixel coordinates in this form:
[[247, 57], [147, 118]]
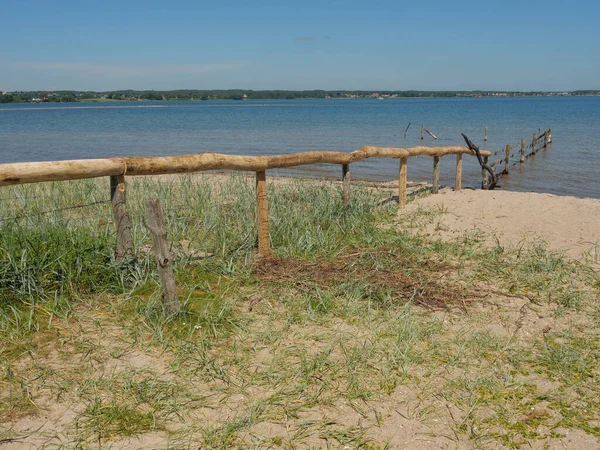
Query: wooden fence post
[[485, 135], [522, 159], [507, 158], [458, 183], [422, 131], [484, 173], [264, 247], [549, 135], [346, 183], [533, 143], [164, 263], [436, 175], [402, 181], [121, 218]]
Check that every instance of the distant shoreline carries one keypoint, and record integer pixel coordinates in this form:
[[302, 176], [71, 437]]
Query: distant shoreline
[[240, 95]]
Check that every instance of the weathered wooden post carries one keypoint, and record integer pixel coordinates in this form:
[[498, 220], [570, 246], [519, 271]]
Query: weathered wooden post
[[507, 158], [545, 138], [436, 175], [422, 131], [402, 181], [164, 263], [485, 135], [549, 135], [264, 247], [121, 218], [346, 183], [484, 173], [522, 158], [458, 183], [533, 143]]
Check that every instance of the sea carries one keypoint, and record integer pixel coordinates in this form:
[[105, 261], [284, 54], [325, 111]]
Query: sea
[[46, 132]]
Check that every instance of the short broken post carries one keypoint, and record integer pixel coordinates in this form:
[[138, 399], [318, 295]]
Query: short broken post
[[507, 158], [436, 175], [485, 135], [264, 246], [402, 181], [484, 173], [422, 131], [458, 182], [121, 218], [164, 262], [549, 135], [533, 143], [346, 183], [522, 159]]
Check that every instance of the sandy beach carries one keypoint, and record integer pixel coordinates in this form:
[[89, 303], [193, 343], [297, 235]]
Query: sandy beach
[[566, 224]]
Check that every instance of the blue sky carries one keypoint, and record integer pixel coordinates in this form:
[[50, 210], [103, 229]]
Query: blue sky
[[377, 45]]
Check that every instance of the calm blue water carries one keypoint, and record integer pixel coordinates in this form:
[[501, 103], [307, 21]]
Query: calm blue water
[[44, 132]]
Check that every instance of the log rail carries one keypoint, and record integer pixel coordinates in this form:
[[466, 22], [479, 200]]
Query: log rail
[[119, 168]]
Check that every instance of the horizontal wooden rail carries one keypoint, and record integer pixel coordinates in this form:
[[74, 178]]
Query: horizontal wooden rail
[[35, 172]]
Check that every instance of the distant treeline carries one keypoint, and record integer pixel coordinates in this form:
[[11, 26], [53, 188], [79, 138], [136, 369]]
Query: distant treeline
[[242, 94]]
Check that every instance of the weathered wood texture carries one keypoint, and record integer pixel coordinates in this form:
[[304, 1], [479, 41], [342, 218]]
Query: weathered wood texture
[[522, 158], [20, 173], [34, 172], [431, 134], [164, 262], [436, 175], [402, 181], [507, 158], [458, 182], [262, 213], [346, 183], [485, 135], [121, 217], [484, 173]]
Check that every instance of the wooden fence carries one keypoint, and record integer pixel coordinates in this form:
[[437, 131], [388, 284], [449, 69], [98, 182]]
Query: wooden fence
[[510, 159], [118, 168]]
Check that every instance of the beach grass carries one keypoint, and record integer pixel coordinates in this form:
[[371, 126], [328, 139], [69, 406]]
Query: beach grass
[[352, 331]]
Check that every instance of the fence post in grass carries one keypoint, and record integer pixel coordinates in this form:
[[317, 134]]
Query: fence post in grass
[[507, 158], [121, 218], [164, 262], [402, 181], [436, 175], [522, 159], [346, 183], [264, 248], [458, 183], [485, 135], [533, 143]]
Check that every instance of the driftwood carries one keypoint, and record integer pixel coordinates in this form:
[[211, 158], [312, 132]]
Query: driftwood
[[430, 133], [487, 184]]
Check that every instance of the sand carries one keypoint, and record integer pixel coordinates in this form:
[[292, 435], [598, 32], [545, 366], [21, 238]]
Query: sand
[[567, 224]]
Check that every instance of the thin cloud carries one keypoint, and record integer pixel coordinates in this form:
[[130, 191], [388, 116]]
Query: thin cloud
[[114, 70]]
